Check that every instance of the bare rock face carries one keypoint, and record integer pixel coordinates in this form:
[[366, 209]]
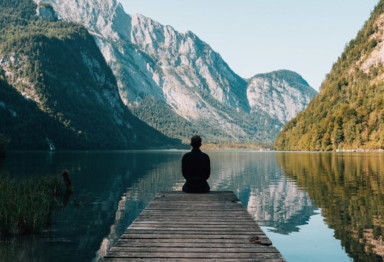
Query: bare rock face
[[281, 94], [46, 12], [183, 73]]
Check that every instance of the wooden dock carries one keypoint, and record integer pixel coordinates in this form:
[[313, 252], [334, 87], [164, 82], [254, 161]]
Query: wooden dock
[[176, 226]]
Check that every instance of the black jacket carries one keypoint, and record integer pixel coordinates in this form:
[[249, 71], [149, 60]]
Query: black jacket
[[196, 168]]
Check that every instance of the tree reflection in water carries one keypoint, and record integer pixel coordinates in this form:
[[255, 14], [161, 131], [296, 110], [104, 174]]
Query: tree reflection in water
[[348, 187], [111, 189]]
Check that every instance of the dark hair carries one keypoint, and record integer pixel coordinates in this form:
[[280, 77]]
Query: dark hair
[[196, 141]]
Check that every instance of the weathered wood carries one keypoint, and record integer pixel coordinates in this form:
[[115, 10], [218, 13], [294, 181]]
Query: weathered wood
[[174, 242], [193, 255], [177, 226], [162, 204], [173, 218], [253, 249], [196, 225], [116, 259], [190, 236], [180, 244], [238, 220]]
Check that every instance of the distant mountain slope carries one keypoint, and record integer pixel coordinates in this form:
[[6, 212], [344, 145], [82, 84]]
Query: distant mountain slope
[[281, 94], [67, 96], [177, 84], [348, 113], [28, 126]]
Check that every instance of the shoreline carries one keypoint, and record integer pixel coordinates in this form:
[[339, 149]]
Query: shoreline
[[359, 150], [208, 147]]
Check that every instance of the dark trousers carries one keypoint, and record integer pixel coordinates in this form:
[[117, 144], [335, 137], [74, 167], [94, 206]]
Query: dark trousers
[[202, 187]]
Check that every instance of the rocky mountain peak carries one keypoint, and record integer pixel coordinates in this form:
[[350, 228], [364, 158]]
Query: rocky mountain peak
[[103, 17], [184, 73], [281, 94]]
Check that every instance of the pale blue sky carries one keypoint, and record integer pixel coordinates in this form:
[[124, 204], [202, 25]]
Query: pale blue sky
[[259, 36]]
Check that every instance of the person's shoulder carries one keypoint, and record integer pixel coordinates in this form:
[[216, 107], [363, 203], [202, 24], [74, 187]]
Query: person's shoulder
[[187, 154], [204, 154]]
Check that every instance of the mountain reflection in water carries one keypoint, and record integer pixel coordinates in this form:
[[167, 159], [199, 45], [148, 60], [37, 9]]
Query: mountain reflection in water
[[255, 177], [112, 188], [348, 187]]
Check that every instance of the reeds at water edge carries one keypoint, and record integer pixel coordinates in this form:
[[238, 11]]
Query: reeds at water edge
[[26, 207]]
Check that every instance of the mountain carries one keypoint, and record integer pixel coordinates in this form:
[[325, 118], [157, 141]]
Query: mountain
[[56, 90], [177, 84], [281, 94], [348, 113]]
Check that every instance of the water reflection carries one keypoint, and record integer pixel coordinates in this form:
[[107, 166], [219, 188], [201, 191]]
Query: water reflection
[[255, 177], [269, 196], [112, 188], [163, 174], [109, 193], [349, 190]]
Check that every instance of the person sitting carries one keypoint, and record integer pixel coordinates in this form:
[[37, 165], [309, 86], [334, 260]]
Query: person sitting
[[196, 168]]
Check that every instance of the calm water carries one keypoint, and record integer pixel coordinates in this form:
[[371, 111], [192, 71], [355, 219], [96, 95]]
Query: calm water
[[314, 207]]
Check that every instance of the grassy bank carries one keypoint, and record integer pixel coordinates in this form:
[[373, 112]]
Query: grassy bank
[[26, 207]]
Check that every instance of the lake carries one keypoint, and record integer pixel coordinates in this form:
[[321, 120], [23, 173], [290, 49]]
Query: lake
[[313, 206]]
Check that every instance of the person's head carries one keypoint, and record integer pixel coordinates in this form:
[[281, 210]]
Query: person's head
[[196, 141]]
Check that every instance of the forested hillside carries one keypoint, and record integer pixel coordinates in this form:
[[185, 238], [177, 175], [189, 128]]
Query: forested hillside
[[348, 113], [57, 87]]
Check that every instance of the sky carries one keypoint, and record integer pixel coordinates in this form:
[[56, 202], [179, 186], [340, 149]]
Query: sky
[[260, 36]]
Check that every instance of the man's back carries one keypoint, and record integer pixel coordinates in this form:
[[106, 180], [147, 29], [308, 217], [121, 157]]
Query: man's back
[[196, 169]]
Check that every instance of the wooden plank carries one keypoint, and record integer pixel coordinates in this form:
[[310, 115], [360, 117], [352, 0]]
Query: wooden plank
[[255, 249], [116, 259], [192, 232], [191, 211], [189, 244], [196, 214], [192, 255], [197, 197], [204, 194], [128, 235], [197, 225], [171, 241], [200, 230], [141, 220], [177, 226], [160, 219], [195, 203], [195, 209], [193, 226], [160, 204], [217, 213]]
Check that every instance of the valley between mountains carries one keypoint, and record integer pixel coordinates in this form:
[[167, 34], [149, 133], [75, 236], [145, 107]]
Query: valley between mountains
[[107, 79]]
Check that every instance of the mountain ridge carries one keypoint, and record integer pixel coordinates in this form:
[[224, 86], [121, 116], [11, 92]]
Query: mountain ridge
[[63, 86], [193, 83]]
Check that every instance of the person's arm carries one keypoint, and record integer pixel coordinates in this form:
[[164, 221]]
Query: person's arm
[[184, 168], [208, 168]]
